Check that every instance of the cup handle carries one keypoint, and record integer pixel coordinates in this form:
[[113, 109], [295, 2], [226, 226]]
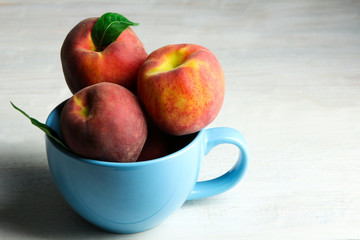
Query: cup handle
[[214, 137]]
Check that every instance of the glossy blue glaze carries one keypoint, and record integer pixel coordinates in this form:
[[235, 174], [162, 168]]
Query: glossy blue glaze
[[134, 197]]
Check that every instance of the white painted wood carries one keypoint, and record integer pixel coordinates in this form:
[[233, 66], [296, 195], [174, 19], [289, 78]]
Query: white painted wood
[[292, 88]]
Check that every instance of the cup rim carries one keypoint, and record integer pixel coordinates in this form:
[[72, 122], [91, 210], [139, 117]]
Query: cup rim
[[115, 164]]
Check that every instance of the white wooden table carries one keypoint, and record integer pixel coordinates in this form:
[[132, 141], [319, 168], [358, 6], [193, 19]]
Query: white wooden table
[[292, 73]]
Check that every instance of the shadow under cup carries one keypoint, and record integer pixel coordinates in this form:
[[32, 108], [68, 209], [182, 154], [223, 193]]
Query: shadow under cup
[[134, 197]]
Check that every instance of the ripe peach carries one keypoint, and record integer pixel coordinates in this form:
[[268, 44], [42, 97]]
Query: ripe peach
[[84, 65], [105, 122], [182, 88], [157, 144]]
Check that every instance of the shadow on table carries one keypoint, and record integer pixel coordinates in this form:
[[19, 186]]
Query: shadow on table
[[31, 205]]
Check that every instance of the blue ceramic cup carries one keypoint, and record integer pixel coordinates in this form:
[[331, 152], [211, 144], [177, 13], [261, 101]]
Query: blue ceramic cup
[[134, 197]]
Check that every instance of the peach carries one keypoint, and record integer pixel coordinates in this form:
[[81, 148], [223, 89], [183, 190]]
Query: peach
[[105, 122], [160, 144], [157, 144], [181, 87], [84, 65]]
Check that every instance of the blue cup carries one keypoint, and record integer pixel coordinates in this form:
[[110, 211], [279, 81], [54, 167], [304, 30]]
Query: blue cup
[[138, 196]]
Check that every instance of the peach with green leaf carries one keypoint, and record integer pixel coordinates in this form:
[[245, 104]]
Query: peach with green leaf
[[103, 49]]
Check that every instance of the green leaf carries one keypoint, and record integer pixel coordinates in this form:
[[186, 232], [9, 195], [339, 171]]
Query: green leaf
[[108, 28], [45, 128]]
